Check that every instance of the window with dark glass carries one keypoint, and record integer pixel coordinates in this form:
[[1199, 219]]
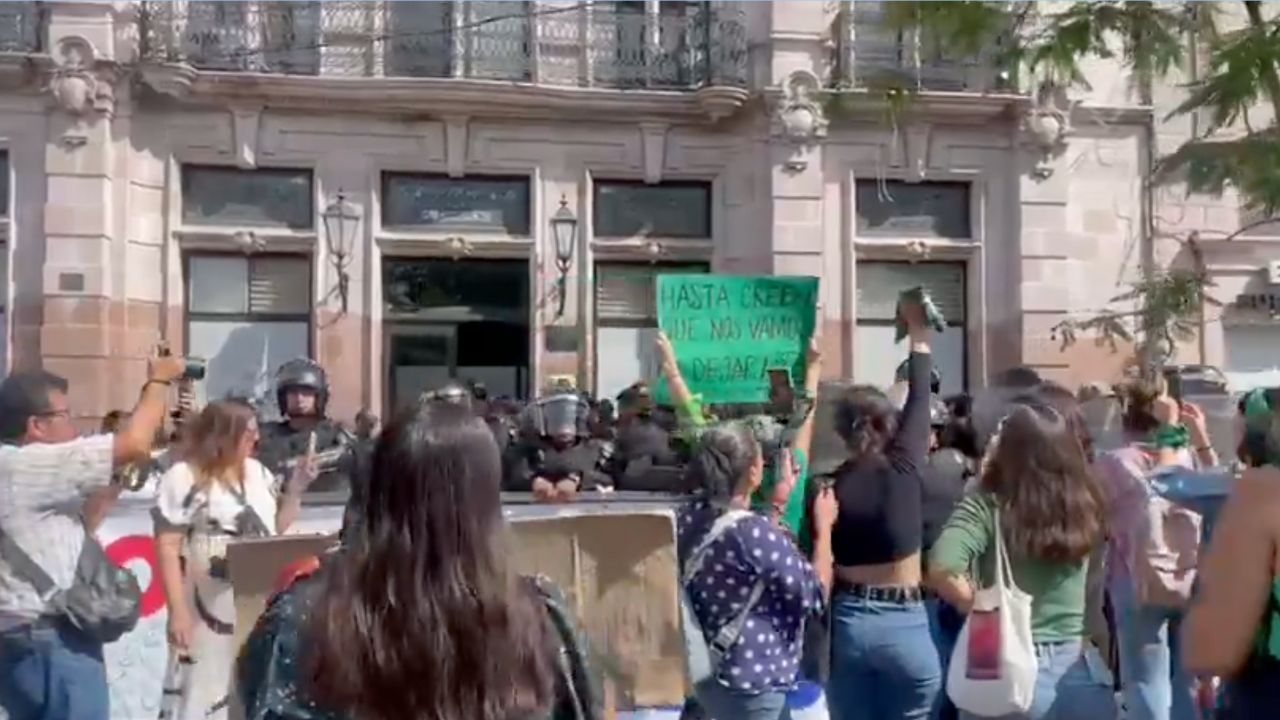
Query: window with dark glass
[[625, 209], [902, 209], [439, 202], [455, 320], [270, 197], [246, 316]]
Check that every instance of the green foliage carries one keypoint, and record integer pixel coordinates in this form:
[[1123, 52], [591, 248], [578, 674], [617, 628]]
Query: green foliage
[[1168, 310], [1151, 40], [1241, 74]]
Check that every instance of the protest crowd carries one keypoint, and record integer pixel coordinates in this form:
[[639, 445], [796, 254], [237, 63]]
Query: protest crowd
[[879, 553]]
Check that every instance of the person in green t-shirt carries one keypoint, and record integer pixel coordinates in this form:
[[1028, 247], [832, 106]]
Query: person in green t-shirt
[[1037, 494], [789, 509]]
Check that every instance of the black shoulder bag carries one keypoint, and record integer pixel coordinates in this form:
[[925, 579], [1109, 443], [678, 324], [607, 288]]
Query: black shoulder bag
[[104, 600], [579, 680]]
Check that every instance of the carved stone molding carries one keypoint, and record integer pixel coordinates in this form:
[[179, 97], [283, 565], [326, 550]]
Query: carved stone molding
[[455, 145], [1046, 126], [172, 79], [912, 151], [245, 121], [653, 137], [721, 101], [427, 96], [80, 82], [798, 118]]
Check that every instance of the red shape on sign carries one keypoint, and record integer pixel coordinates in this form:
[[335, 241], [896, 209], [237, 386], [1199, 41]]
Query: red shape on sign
[[296, 571], [141, 547]]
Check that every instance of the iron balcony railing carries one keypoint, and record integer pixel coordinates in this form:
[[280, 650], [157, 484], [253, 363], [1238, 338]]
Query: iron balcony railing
[[22, 27], [680, 45], [872, 54]]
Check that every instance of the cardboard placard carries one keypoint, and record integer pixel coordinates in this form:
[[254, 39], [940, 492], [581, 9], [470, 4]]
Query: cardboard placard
[[729, 331], [616, 566]]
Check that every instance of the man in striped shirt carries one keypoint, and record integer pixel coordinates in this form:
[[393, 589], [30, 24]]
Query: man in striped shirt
[[48, 669]]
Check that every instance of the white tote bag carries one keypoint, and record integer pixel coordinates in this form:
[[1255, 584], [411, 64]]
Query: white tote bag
[[996, 685]]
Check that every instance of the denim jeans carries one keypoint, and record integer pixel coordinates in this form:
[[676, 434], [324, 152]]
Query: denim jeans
[[52, 673], [884, 663], [945, 622], [720, 703], [1066, 687], [1156, 687]]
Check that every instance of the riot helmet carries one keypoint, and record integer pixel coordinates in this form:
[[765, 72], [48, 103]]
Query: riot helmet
[[935, 377], [450, 394], [302, 374], [636, 400], [560, 416]]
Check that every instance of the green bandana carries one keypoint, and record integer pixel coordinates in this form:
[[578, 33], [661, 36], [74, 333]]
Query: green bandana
[[1173, 437]]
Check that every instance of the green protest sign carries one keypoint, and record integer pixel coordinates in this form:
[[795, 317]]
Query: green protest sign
[[729, 331]]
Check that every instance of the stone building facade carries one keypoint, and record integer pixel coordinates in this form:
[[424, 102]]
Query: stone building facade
[[414, 191]]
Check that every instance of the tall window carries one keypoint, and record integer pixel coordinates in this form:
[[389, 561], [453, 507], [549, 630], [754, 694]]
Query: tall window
[[268, 197], [627, 322], [876, 353], [5, 284], [882, 54], [626, 209], [246, 316], [634, 47], [291, 36], [488, 39]]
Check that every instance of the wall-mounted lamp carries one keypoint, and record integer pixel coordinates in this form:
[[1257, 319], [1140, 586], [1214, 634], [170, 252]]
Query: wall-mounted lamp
[[341, 225], [564, 229]]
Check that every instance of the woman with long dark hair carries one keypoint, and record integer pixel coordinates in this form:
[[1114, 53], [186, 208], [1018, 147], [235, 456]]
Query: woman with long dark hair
[[419, 615], [748, 576], [1036, 489], [217, 493]]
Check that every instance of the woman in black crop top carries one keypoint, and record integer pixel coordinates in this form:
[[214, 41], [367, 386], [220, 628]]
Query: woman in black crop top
[[884, 663]]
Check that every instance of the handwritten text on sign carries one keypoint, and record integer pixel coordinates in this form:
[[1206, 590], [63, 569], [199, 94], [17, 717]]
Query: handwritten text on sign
[[729, 331]]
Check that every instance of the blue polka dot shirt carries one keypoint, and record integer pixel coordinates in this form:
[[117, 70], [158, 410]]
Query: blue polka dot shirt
[[766, 656]]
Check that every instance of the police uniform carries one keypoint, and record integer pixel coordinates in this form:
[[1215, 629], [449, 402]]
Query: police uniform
[[541, 452], [282, 444]]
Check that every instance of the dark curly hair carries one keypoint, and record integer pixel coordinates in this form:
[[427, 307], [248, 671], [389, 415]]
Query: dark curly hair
[[866, 420]]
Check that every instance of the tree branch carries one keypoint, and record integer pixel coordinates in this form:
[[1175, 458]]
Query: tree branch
[[1266, 69]]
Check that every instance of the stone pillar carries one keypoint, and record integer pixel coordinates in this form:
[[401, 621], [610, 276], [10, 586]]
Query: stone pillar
[[796, 180], [86, 317]]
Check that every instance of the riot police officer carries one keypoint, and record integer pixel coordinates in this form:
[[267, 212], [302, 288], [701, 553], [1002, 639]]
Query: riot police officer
[[556, 457], [643, 459], [302, 392]]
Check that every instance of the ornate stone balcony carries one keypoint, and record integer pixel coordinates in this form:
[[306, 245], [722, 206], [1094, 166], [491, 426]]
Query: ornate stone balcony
[[872, 55], [558, 51]]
